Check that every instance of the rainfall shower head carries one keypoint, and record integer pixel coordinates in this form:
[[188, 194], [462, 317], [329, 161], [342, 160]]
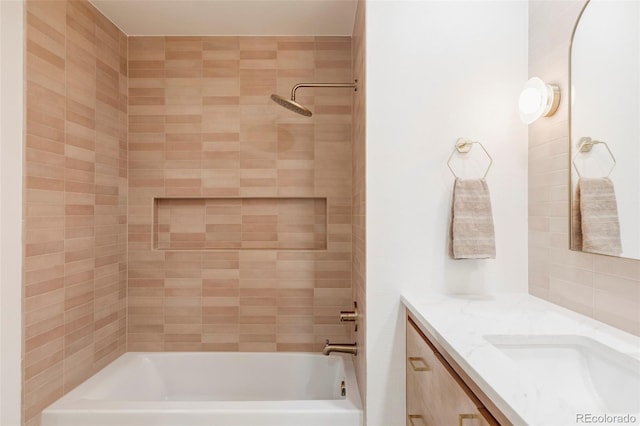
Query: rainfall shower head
[[291, 105], [294, 106]]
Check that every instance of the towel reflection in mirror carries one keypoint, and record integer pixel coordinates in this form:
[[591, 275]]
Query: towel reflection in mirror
[[596, 227]]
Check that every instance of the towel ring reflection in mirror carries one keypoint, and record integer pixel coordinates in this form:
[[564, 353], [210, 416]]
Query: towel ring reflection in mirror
[[585, 145], [463, 146]]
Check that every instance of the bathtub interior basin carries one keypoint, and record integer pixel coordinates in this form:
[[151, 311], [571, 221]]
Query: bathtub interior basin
[[589, 374], [214, 388], [241, 377]]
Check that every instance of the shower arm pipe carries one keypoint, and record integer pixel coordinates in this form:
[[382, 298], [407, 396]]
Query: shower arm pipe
[[299, 85]]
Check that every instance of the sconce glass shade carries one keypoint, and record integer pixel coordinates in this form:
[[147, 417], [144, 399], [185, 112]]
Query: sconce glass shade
[[538, 99]]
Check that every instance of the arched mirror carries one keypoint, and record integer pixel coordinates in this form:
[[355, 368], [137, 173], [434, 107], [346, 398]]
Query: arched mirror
[[605, 129]]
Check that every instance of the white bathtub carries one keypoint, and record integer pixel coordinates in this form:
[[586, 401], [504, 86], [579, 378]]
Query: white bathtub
[[214, 388]]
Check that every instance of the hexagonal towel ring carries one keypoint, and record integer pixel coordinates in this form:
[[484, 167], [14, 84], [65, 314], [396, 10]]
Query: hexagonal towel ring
[[463, 146], [585, 145]]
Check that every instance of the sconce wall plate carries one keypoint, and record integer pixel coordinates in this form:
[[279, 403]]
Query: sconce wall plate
[[538, 99]]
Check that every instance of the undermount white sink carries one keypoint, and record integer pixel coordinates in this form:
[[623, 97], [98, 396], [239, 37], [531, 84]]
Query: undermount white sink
[[587, 373]]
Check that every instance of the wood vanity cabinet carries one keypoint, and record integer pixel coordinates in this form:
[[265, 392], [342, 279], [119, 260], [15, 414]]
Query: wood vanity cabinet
[[436, 395]]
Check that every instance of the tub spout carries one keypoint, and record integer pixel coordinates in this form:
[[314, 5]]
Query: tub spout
[[347, 348]]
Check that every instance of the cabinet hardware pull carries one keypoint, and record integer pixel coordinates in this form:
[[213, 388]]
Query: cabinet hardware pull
[[463, 417], [413, 417], [413, 360]]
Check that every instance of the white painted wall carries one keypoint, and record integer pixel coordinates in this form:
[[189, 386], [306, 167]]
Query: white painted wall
[[605, 68], [436, 71], [11, 128]]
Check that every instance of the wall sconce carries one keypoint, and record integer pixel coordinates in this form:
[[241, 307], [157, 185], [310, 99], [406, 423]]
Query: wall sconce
[[538, 99]]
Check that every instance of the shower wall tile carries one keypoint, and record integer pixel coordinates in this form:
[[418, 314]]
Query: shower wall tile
[[240, 223], [201, 125], [358, 200], [75, 199], [605, 288]]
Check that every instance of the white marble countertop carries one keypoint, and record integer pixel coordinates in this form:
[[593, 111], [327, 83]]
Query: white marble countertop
[[460, 322]]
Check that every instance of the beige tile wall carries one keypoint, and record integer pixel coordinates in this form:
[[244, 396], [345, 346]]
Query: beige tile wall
[[240, 223], [358, 201], [201, 124], [602, 287], [75, 188]]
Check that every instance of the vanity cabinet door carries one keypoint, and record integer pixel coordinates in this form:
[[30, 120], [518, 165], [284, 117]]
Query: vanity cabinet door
[[434, 395]]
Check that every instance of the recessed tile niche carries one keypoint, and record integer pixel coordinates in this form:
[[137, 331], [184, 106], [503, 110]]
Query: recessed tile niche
[[240, 223]]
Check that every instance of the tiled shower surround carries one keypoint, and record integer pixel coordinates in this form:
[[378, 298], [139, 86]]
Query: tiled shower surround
[[240, 223], [124, 132], [75, 192], [205, 137], [358, 203]]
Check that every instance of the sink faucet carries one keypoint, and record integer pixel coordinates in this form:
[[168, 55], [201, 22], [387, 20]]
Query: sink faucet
[[347, 348]]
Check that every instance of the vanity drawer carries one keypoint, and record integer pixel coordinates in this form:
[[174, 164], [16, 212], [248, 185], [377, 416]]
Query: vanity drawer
[[436, 395], [420, 361]]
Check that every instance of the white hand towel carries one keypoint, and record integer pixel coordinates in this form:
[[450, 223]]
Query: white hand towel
[[471, 232], [596, 227]]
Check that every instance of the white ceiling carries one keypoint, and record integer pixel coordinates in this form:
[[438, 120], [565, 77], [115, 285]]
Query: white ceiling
[[230, 17]]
